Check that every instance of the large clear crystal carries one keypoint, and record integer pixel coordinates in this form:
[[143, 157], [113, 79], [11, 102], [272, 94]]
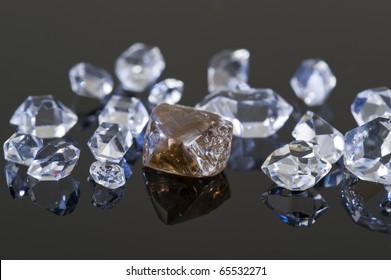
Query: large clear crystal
[[228, 70], [368, 151], [296, 166], [22, 148], [370, 104], [90, 81], [167, 91], [125, 111], [139, 66], [313, 82], [17, 180], [255, 113], [44, 117], [108, 174], [54, 161], [312, 127]]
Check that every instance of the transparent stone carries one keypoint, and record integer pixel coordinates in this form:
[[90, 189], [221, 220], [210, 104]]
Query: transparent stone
[[228, 69], [313, 82], [333, 178], [296, 166], [54, 161], [44, 117], [255, 113], [22, 148], [108, 174], [177, 199], [139, 67], [368, 151], [125, 111], [104, 198], [297, 209], [60, 198], [370, 104], [185, 141], [167, 91], [110, 142], [18, 181], [90, 81], [312, 127]]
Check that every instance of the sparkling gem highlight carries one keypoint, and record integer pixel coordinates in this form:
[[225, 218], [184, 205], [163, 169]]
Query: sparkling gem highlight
[[108, 174]]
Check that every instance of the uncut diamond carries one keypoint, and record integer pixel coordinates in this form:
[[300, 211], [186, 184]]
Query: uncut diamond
[[167, 91], [22, 148], [108, 174]]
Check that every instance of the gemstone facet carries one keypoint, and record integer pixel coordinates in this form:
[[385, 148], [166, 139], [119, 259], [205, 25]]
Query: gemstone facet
[[17, 179], [108, 174], [296, 166], [255, 113], [22, 148], [167, 91], [187, 142]]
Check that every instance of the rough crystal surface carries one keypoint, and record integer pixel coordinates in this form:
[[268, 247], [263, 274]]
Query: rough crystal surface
[[22, 148], [255, 113], [54, 161], [108, 174], [44, 117], [312, 127], [313, 82], [17, 180], [188, 142], [90, 81], [167, 91], [296, 166], [139, 66]]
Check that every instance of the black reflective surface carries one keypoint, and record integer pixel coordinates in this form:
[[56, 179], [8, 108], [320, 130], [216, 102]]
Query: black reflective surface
[[41, 40]]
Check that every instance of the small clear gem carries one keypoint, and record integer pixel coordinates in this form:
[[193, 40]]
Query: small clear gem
[[125, 111], [370, 104], [167, 91], [17, 179], [108, 174], [297, 209], [139, 66], [22, 148], [368, 151], [313, 82], [104, 198], [255, 113], [90, 81], [44, 117], [296, 166], [228, 69], [54, 161], [312, 127]]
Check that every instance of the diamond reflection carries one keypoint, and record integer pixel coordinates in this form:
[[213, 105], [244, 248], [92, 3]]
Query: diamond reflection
[[18, 181], [104, 198]]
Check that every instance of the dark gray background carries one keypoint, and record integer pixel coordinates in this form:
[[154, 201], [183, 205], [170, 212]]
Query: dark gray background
[[41, 40]]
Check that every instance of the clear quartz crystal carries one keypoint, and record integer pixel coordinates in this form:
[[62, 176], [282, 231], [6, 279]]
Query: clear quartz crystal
[[22, 148], [167, 91], [108, 174]]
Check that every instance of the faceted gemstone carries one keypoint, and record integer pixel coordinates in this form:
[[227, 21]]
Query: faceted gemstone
[[108, 174], [255, 113], [312, 127], [44, 117], [177, 199], [139, 66], [54, 161], [167, 91], [370, 104], [17, 180], [125, 111], [368, 151], [110, 142], [296, 166], [22, 148], [104, 198], [297, 209], [60, 198], [188, 142], [228, 69], [333, 178], [90, 81], [313, 82]]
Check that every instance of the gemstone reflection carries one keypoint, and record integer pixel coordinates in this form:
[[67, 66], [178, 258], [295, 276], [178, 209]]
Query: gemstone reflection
[[104, 198]]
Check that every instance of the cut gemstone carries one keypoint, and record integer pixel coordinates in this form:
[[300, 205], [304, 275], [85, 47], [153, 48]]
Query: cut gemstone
[[177, 199], [313, 82], [139, 66], [368, 151], [104, 198], [255, 113], [44, 117], [312, 127], [22, 148], [108, 174], [125, 111], [60, 198], [90, 81], [17, 179], [110, 142], [296, 166], [370, 104], [228, 69], [54, 161], [188, 142], [297, 209], [167, 91]]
